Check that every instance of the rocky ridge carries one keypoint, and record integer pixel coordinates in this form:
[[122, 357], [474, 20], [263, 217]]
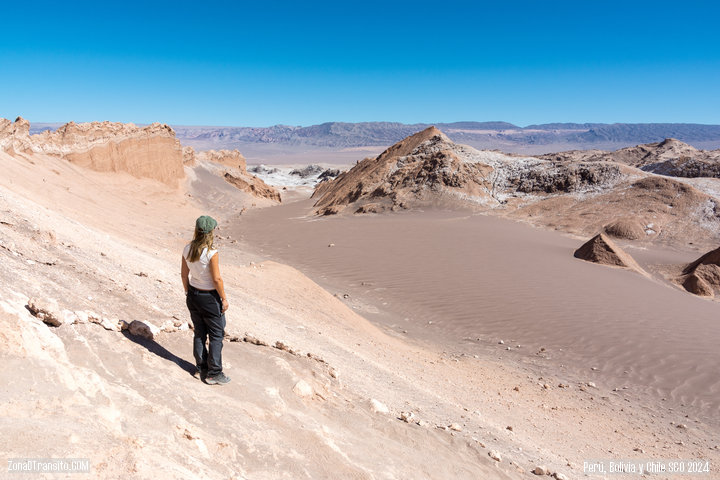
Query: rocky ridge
[[428, 165], [150, 151], [577, 192], [484, 135], [229, 158], [147, 152], [669, 157]]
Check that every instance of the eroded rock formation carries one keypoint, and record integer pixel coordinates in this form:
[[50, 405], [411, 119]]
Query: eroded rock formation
[[253, 185], [229, 158], [670, 157], [428, 166], [150, 152], [702, 277], [580, 193]]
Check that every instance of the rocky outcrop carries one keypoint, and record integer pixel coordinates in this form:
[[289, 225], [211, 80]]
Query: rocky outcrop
[[228, 158], [640, 207], [422, 166], [188, 154], [253, 185], [328, 174], [46, 310], [582, 198], [14, 136], [646, 155], [702, 277], [600, 249], [309, 171], [670, 157], [428, 168], [147, 152], [232, 167], [565, 177]]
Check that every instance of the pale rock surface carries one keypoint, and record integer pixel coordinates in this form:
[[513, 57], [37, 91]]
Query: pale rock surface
[[46, 310], [151, 151], [495, 455], [378, 407], [541, 470], [189, 156], [254, 186], [228, 158], [303, 389]]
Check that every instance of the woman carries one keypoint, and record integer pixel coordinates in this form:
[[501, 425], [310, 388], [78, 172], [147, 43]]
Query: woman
[[206, 300]]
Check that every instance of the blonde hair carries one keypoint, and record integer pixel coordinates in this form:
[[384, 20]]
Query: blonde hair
[[200, 240]]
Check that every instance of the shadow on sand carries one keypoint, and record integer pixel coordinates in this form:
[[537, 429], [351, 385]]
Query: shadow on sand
[[160, 351]]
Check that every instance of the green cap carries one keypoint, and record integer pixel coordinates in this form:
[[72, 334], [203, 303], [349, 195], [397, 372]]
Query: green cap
[[205, 224]]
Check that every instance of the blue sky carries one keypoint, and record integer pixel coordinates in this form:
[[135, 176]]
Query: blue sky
[[301, 63]]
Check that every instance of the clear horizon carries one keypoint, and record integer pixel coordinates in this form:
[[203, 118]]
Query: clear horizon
[[230, 64]]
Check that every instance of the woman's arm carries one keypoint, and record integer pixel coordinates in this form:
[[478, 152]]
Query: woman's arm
[[217, 280], [184, 273]]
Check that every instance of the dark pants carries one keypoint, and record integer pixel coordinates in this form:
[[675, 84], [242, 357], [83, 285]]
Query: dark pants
[[208, 321]]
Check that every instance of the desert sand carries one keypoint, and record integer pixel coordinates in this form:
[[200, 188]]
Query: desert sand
[[468, 346]]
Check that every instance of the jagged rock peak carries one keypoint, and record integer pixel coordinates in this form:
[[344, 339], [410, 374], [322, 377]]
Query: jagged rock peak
[[19, 128], [407, 145], [15, 136], [22, 124]]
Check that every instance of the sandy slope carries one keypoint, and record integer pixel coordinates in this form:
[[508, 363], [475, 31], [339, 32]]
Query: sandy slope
[[131, 406], [466, 282]]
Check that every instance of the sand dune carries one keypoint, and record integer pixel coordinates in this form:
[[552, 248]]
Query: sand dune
[[600, 249]]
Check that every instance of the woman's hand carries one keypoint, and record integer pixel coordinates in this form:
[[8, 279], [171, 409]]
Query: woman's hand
[[225, 305]]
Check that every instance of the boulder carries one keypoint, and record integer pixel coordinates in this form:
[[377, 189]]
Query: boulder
[[143, 329], [702, 277], [378, 407], [303, 389], [46, 310]]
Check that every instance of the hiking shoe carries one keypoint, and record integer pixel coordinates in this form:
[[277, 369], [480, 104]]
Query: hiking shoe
[[201, 373], [219, 379]]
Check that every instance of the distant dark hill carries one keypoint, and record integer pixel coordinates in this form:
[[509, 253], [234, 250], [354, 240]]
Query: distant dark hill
[[648, 132], [478, 126], [533, 139]]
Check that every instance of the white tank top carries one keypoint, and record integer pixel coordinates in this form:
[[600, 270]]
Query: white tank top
[[200, 275]]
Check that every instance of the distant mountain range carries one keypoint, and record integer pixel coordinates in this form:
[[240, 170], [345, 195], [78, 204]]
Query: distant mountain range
[[504, 136]]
